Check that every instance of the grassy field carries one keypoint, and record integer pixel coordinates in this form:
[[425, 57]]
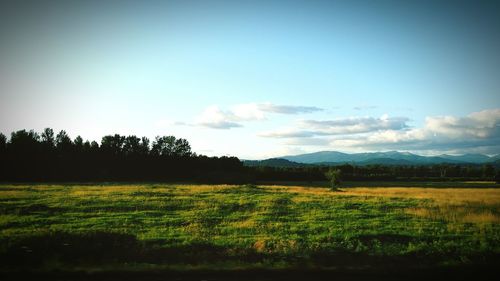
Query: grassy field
[[222, 227]]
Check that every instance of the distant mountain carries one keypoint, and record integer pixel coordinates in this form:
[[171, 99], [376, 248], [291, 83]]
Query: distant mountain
[[272, 162], [385, 161], [320, 157], [386, 158], [495, 158]]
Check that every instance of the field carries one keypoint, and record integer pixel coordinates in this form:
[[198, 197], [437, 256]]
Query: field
[[162, 227]]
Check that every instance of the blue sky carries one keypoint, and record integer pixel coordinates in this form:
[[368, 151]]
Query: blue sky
[[258, 79]]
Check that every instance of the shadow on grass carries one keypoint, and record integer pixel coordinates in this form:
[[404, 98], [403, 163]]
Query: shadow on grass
[[105, 250], [465, 273], [99, 248], [30, 209]]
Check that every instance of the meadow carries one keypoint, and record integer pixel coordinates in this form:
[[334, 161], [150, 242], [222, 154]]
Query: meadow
[[142, 227]]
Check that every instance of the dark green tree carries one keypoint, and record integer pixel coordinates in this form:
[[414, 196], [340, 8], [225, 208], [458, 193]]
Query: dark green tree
[[182, 148], [63, 142], [94, 146], [113, 144], [48, 139], [144, 146], [164, 146], [23, 142], [3, 143], [334, 176], [132, 145], [78, 141]]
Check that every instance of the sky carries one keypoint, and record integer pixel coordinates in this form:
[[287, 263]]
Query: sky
[[257, 79]]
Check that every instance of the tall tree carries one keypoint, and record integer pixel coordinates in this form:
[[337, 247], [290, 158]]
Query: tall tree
[[113, 144], [182, 148], [94, 146], [132, 145], [164, 146], [23, 142], [3, 143], [64, 144], [144, 146], [78, 146], [48, 138]]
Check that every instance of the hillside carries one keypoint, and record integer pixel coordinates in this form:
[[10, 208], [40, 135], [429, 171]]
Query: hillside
[[388, 158], [272, 162]]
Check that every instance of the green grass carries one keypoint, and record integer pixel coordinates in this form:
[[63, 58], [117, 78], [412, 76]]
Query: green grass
[[185, 227]]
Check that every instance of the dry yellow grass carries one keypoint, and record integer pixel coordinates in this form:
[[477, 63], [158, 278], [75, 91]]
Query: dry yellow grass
[[456, 214], [302, 189], [461, 205], [488, 196], [467, 205]]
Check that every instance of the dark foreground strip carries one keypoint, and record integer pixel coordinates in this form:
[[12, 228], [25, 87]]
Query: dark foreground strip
[[450, 273]]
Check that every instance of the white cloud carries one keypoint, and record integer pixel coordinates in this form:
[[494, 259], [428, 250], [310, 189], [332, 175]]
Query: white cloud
[[356, 125], [247, 112], [287, 109], [214, 117], [478, 128], [483, 124], [477, 132], [287, 133], [344, 126]]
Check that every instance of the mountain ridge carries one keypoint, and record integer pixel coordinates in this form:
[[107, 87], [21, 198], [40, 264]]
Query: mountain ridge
[[394, 157]]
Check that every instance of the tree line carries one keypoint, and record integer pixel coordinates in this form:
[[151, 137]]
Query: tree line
[[47, 156], [434, 172]]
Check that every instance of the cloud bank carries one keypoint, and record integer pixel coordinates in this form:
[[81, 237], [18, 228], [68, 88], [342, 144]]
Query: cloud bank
[[345, 126], [476, 132]]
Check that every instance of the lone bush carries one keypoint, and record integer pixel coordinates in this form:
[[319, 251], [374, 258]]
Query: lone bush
[[334, 176]]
